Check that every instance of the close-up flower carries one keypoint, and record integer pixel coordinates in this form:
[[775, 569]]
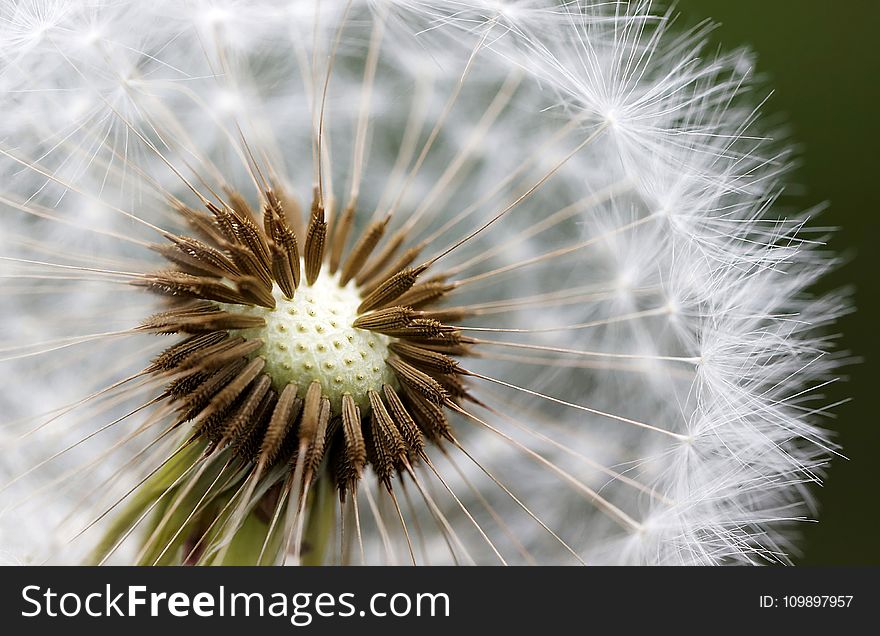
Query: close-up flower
[[402, 282]]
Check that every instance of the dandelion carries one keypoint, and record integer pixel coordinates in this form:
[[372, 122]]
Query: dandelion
[[398, 281]]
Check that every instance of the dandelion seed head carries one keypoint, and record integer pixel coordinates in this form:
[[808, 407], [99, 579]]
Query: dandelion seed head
[[600, 348]]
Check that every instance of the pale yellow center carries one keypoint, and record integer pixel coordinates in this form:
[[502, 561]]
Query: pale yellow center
[[311, 338]]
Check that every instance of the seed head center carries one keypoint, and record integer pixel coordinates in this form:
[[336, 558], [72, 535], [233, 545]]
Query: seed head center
[[311, 337]]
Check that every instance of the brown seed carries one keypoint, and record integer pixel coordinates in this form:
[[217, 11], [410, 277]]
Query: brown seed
[[175, 354], [196, 255], [404, 421], [340, 234], [425, 293], [315, 450], [429, 417], [333, 427], [238, 203], [202, 223], [379, 263], [280, 425], [282, 271], [290, 444], [391, 288], [221, 354], [445, 341], [311, 413], [193, 401], [404, 260], [288, 207], [454, 385], [253, 239], [417, 380], [248, 443], [383, 320], [362, 250], [421, 328], [197, 357], [314, 247], [246, 412], [187, 320], [424, 359], [355, 453], [181, 387], [227, 395], [256, 291], [248, 262], [389, 448], [180, 284], [283, 246], [226, 220]]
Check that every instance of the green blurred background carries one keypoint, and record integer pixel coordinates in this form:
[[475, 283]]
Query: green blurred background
[[823, 62]]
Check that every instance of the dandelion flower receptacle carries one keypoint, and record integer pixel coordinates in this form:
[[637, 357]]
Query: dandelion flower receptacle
[[398, 282]]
